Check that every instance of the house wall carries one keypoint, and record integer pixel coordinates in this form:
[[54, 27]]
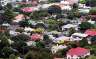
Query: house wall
[[77, 57], [4, 2]]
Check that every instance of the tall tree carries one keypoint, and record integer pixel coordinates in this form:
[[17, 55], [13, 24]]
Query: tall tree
[[38, 54], [52, 1], [91, 3], [54, 9], [85, 26], [93, 11], [8, 15]]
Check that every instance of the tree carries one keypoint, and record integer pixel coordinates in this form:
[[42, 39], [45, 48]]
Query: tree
[[75, 6], [19, 30], [93, 39], [7, 51], [21, 47], [38, 54], [83, 1], [92, 57], [12, 56], [1, 7], [21, 37], [54, 9], [47, 40], [8, 15], [41, 25], [91, 3], [46, 37], [85, 26], [9, 6], [24, 5], [52, 1], [71, 15], [39, 15], [52, 24], [40, 44], [83, 42], [72, 45], [24, 23], [92, 49], [61, 53], [93, 11], [4, 41], [71, 31]]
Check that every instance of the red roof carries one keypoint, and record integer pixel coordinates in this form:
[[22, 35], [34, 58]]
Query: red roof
[[35, 37], [27, 9], [78, 51], [72, 1], [91, 32]]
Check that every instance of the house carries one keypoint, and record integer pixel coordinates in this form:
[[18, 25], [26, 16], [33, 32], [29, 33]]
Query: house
[[65, 5], [91, 21], [43, 1], [71, 2], [6, 24], [84, 10], [61, 39], [13, 33], [36, 37], [4, 2], [77, 36], [77, 53], [68, 26], [27, 9], [19, 18], [91, 32], [28, 29], [57, 47]]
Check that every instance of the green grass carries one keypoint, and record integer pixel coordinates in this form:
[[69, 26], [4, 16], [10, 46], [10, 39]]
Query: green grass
[[91, 57]]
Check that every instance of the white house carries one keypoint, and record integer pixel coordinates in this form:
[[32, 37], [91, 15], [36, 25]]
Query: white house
[[4, 2], [26, 29], [57, 47], [31, 43], [6, 24], [61, 39], [13, 33], [43, 1], [68, 26], [77, 36], [90, 21], [65, 5]]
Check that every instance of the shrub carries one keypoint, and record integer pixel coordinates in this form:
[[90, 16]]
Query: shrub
[[86, 25], [6, 51], [20, 37], [93, 11], [54, 9], [38, 54]]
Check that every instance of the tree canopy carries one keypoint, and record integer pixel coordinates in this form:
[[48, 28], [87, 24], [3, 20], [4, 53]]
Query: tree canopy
[[85, 25], [54, 9], [91, 3]]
